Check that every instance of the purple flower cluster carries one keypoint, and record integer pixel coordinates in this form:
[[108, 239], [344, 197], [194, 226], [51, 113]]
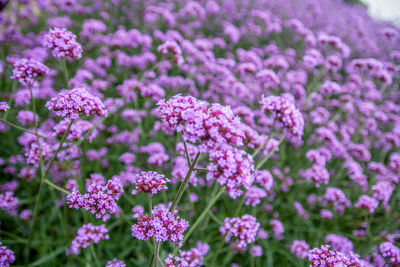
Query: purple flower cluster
[[194, 256], [232, 168], [324, 256], [162, 225], [197, 121], [62, 43], [300, 248], [150, 182], [172, 48], [3, 107], [115, 263], [242, 229], [99, 199], [284, 111], [390, 252], [175, 261], [6, 256], [87, 235], [368, 203], [26, 71], [76, 102]]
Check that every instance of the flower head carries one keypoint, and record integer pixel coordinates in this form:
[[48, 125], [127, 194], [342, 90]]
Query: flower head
[[86, 235], [26, 71], [62, 43], [162, 224], [285, 111], [76, 102], [150, 182], [243, 229]]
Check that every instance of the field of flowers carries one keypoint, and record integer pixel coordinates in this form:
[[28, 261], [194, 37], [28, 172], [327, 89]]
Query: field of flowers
[[198, 133]]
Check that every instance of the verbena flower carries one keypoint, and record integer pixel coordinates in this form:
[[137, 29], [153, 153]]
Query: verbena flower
[[99, 200], [26, 71], [115, 263], [283, 110], [76, 102], [7, 256], [162, 224], [150, 182], [232, 168], [62, 43], [242, 230], [3, 106], [87, 235]]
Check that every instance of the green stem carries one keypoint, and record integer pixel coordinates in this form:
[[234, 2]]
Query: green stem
[[96, 259], [24, 129], [182, 188], [150, 203], [155, 255], [203, 214], [259, 165], [56, 186], [65, 72], [59, 147], [37, 202]]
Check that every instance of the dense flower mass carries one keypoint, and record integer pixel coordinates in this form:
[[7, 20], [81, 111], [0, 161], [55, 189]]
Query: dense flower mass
[[62, 43], [232, 168], [7, 257], [324, 256], [3, 106], [76, 102], [162, 225], [267, 128], [283, 110], [242, 230], [87, 235], [150, 183], [99, 199], [26, 71], [197, 121]]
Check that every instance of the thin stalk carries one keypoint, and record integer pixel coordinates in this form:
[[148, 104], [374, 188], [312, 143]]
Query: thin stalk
[[259, 165], [37, 202], [59, 147], [65, 70], [96, 259], [150, 204], [155, 255], [187, 153], [182, 188], [24, 129], [203, 214], [56, 186]]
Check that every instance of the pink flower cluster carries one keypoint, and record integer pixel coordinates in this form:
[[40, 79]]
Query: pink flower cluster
[[26, 71], [62, 43], [86, 235], [194, 256], [7, 256], [324, 256], [284, 111], [99, 199], [175, 261], [231, 168], [3, 107], [300, 248], [115, 263], [162, 224], [171, 47], [390, 252], [150, 182], [243, 229], [199, 122], [75, 102]]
